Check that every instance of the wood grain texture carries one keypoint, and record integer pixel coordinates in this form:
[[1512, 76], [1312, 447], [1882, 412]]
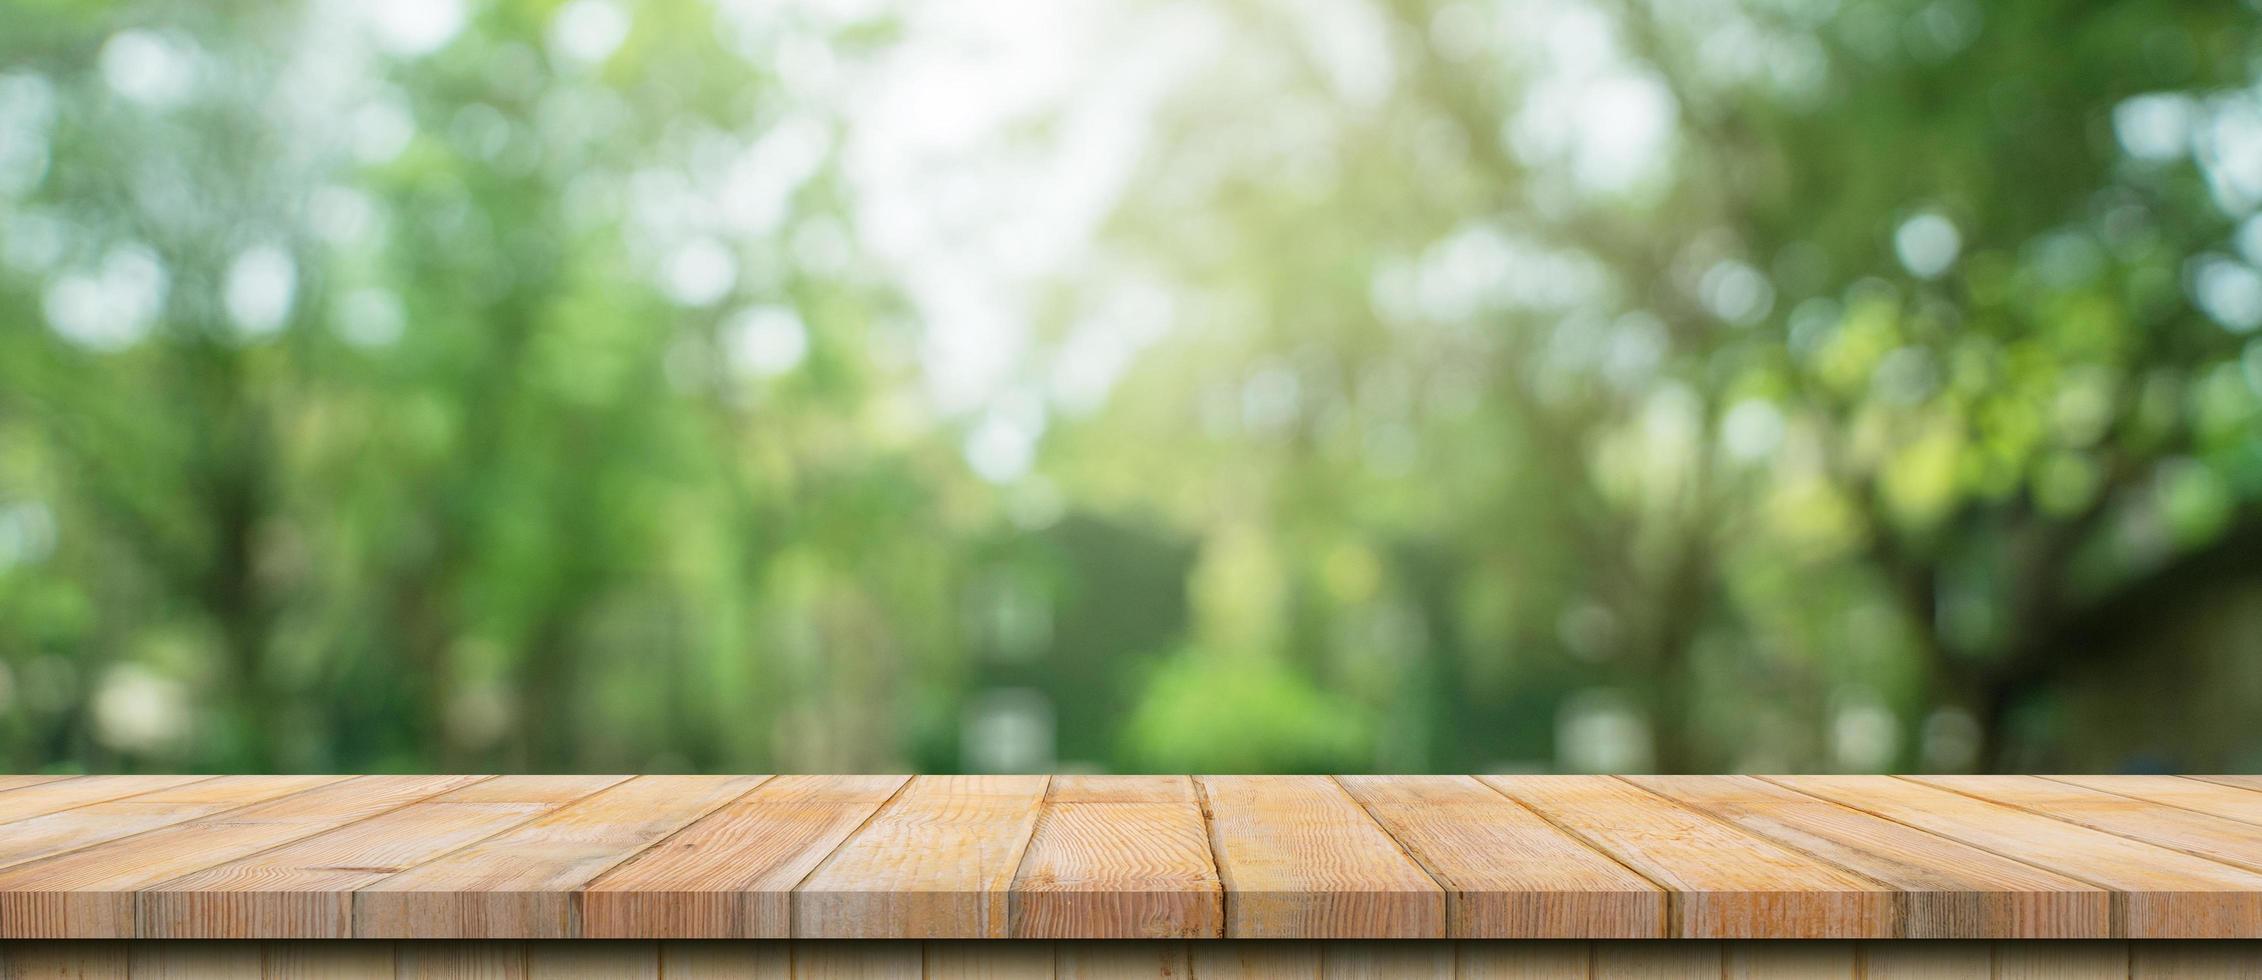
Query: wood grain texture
[[1726, 883], [460, 961], [982, 959], [19, 781], [322, 960], [877, 959], [1949, 890], [195, 961], [936, 863], [1123, 789], [1633, 960], [1769, 959], [1135, 960], [2195, 961], [2159, 893], [74, 960], [1387, 959], [1115, 960], [1523, 959], [1299, 858], [92, 891], [2253, 782], [1931, 960], [86, 825], [1026, 858], [1118, 858], [2205, 835], [732, 873], [2191, 794], [524, 883], [50, 796], [304, 889], [1240, 959], [1507, 873], [567, 959], [722, 959], [2066, 960]]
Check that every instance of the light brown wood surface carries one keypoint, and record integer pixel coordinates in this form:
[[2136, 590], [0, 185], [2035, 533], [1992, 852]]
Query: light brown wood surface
[[22, 780], [49, 795], [525, 883], [2247, 781], [732, 873], [1188, 860], [1726, 883], [1135, 960], [2159, 893], [1507, 872], [1300, 858], [93, 891], [304, 889], [2202, 834], [2190, 794], [937, 863], [1948, 890], [1118, 857], [144, 809]]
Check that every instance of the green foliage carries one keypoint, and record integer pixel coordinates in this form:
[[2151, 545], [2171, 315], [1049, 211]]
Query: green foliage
[[1626, 383], [1208, 713]]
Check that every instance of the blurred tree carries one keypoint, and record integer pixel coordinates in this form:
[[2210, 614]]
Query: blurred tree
[[436, 388], [1679, 384], [1688, 337]]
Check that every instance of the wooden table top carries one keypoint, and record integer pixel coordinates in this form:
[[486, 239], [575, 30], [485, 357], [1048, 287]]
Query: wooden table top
[[1311, 857]]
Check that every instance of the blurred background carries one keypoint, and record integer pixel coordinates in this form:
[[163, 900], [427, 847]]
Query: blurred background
[[1582, 385]]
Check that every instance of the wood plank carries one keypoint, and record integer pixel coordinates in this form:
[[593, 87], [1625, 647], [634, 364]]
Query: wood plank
[[2062, 960], [1507, 873], [1122, 959], [1387, 959], [461, 960], [1301, 860], [1726, 883], [2205, 835], [65, 961], [1118, 858], [2160, 893], [1936, 960], [722, 959], [524, 883], [324, 960], [89, 824], [1770, 959], [936, 863], [2191, 794], [21, 780], [1123, 789], [982, 959], [63, 794], [1241, 959], [1636, 959], [576, 959], [731, 874], [1522, 959], [304, 889], [826, 959], [1951, 890], [91, 892], [196, 961], [2252, 782], [2195, 960]]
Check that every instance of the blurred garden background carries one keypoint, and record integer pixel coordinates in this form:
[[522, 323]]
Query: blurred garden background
[[1399, 385]]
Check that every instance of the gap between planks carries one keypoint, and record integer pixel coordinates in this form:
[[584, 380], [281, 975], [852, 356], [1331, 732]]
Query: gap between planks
[[1210, 829]]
